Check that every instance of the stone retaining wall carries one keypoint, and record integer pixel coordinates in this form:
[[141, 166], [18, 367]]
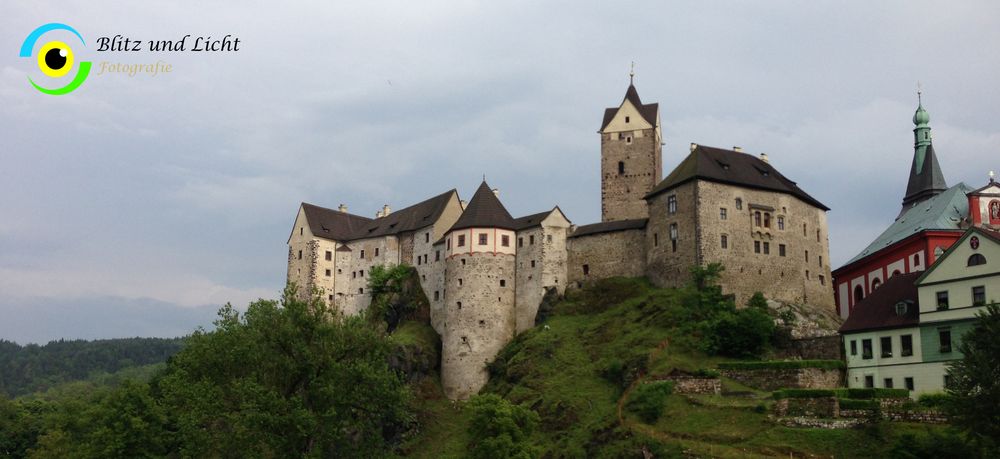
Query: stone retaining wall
[[684, 385], [798, 378], [820, 407]]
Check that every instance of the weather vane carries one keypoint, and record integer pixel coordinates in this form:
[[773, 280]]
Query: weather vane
[[919, 92], [631, 73]]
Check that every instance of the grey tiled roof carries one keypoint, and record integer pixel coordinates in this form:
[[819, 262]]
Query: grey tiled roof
[[484, 211], [607, 227]]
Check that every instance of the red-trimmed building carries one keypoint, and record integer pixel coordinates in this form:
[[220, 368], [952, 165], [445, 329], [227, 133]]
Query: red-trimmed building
[[932, 218]]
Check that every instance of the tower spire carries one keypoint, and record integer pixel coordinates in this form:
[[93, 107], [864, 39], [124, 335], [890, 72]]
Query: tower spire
[[926, 179]]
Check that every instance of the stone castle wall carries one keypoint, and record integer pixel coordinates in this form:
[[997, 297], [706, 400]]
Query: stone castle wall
[[617, 253], [479, 319], [541, 263], [790, 378], [668, 263], [622, 193]]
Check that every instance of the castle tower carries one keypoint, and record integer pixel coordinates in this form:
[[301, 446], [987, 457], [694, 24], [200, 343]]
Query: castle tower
[[926, 179], [631, 158], [479, 305]]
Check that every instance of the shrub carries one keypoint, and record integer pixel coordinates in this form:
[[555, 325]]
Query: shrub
[[783, 365], [757, 301], [935, 400], [648, 399], [935, 445], [870, 393], [743, 333], [803, 393], [500, 429], [706, 373]]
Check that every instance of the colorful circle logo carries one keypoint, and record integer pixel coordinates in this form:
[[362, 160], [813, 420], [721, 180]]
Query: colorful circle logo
[[55, 59]]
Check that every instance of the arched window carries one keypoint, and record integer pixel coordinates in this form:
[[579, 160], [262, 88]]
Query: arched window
[[859, 293], [976, 259], [876, 284], [916, 259], [895, 273], [621, 167]]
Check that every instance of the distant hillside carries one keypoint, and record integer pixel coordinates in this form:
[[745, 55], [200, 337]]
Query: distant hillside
[[34, 368], [576, 371]]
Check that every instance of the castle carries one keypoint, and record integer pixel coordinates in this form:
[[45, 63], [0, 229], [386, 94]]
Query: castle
[[717, 205]]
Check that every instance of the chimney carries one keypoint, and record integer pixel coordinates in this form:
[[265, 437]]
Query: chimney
[[738, 149], [342, 209], [464, 203], [496, 192], [386, 211], [378, 214], [763, 157], [693, 146]]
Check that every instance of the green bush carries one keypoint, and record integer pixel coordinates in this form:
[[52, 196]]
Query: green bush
[[757, 301], [854, 404], [936, 400], [706, 373], [648, 400], [500, 429], [870, 393], [783, 365], [934, 445], [745, 333]]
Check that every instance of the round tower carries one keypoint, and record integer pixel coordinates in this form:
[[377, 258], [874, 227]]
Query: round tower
[[479, 293]]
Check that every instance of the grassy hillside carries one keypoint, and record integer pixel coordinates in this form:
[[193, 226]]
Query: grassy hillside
[[579, 369]]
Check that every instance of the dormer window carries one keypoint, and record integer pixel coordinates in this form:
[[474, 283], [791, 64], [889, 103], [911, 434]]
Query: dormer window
[[901, 308]]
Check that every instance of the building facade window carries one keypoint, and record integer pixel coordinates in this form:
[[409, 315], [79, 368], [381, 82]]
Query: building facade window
[[767, 220], [300, 254], [361, 290], [817, 235], [739, 204], [505, 240], [942, 300], [756, 218], [866, 349], [767, 248], [859, 293], [461, 240], [532, 263], [821, 261], [329, 273], [979, 295], [673, 236], [437, 255], [621, 167], [756, 246], [520, 242], [376, 251], [908, 382], [876, 284], [586, 270], [944, 340], [905, 345], [656, 239], [672, 204], [722, 213], [976, 259], [483, 238], [781, 250], [362, 254], [887, 383], [329, 255], [503, 282], [531, 240], [885, 345], [724, 241], [803, 229], [854, 347], [427, 237], [781, 223], [869, 381]]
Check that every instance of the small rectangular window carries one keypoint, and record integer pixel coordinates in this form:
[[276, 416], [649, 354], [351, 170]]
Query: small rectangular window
[[887, 383], [459, 281], [586, 270], [885, 344], [300, 254], [361, 273], [354, 274], [944, 338], [418, 260], [807, 256], [505, 240], [376, 251], [908, 382], [361, 290], [866, 349], [767, 248], [942, 300], [672, 204], [739, 204], [756, 246], [781, 250], [979, 295], [725, 241], [483, 238], [461, 240], [362, 253], [548, 238], [329, 255], [436, 295], [532, 263], [437, 255], [531, 240], [427, 237], [854, 347], [656, 240], [503, 282], [329, 273], [821, 261], [722, 213], [781, 223], [520, 242], [906, 345], [869, 381]]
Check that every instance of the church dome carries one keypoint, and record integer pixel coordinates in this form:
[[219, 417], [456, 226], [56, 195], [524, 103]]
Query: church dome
[[921, 116]]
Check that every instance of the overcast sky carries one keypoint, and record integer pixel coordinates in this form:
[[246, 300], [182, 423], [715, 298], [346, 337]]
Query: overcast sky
[[138, 205]]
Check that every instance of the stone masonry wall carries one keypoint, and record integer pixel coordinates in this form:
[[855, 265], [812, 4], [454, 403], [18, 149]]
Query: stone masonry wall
[[618, 253], [545, 248], [668, 265], [820, 407], [799, 378], [479, 319], [622, 193], [794, 277]]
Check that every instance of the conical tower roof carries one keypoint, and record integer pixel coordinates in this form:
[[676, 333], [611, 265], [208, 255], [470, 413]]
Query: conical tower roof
[[926, 179], [484, 211]]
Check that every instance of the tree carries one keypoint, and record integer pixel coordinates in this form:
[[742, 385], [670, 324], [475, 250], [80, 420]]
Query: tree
[[975, 382], [285, 379], [500, 429]]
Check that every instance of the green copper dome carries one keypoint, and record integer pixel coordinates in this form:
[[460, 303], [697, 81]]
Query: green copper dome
[[921, 116]]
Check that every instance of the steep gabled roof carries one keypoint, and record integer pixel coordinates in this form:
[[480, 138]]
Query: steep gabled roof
[[940, 212], [926, 179], [607, 227], [733, 168], [332, 224], [484, 211], [878, 310], [411, 218], [533, 220], [647, 111]]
